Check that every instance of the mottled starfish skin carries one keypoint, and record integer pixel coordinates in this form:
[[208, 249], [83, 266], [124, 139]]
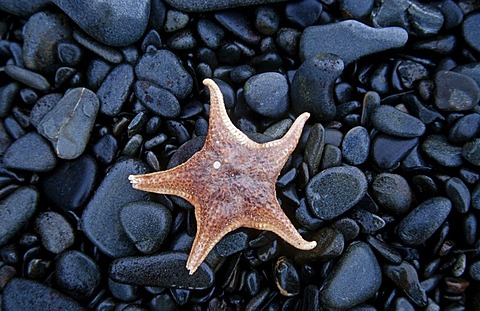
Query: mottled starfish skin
[[230, 182]]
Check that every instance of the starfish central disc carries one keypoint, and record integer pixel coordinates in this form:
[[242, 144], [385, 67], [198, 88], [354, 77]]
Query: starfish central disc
[[230, 182]]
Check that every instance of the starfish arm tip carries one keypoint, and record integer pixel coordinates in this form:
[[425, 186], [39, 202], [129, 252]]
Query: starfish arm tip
[[310, 245]]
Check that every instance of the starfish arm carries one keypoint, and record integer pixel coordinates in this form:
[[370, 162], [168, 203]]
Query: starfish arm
[[219, 122], [272, 218], [281, 149]]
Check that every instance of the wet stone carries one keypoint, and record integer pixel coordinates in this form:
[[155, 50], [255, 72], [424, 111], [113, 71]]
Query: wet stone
[[162, 270], [474, 270], [212, 5], [157, 99], [15, 211], [77, 274], [313, 85], [303, 13], [32, 79], [385, 250], [394, 122], [116, 23], [472, 70], [348, 227], [440, 150], [69, 193], [174, 77], [30, 152], [182, 40], [455, 91], [101, 218], [314, 148], [267, 94], [210, 33], [422, 222], [357, 40], [353, 280], [13, 128], [105, 149], [55, 232], [69, 124], [286, 277], [459, 194], [356, 9], [232, 243], [335, 190], [405, 277], [42, 34], [24, 294], [238, 24], [471, 152], [465, 129], [267, 20], [124, 292], [356, 146], [470, 30], [392, 192], [115, 89], [147, 224]]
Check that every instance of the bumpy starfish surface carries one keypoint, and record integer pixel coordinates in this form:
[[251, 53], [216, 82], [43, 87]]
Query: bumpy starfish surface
[[230, 182]]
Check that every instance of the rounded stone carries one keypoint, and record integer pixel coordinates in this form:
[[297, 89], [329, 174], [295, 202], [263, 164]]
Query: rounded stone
[[267, 94], [394, 122], [470, 30], [356, 146], [392, 192], [455, 91], [55, 232]]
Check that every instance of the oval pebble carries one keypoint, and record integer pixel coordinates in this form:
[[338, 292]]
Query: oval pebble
[[23, 294], [422, 222], [267, 94], [471, 152], [465, 129], [470, 31], [405, 277], [161, 270], [455, 91], [356, 146], [335, 190], [286, 277], [394, 122], [27, 77], [441, 151], [31, 152], [157, 99], [115, 89], [458, 193], [55, 232], [15, 211], [353, 280], [147, 224], [392, 192], [77, 274]]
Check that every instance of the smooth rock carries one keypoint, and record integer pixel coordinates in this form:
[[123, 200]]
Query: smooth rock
[[455, 91], [459, 194], [105, 149], [69, 124], [330, 245], [303, 13], [286, 277], [104, 51], [422, 222], [5, 139], [267, 94], [97, 70], [232, 243], [350, 40], [55, 232], [392, 192], [24, 7], [8, 93], [405, 277], [238, 23], [27, 77], [116, 22], [157, 99], [30, 152], [23, 294], [161, 270], [42, 34], [441, 151], [471, 152], [147, 224], [213, 5], [42, 106], [101, 218], [335, 190], [77, 274], [68, 193], [392, 121], [313, 85], [174, 77], [115, 89], [353, 280], [465, 129], [210, 33], [470, 30], [15, 211], [356, 146]]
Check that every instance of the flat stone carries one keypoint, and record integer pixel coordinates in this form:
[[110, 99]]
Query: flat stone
[[459, 194], [356, 146], [471, 152], [43, 106], [69, 124], [394, 122], [147, 224], [101, 218], [213, 5], [24, 7], [24, 294], [335, 190], [441, 151], [422, 222], [353, 280], [455, 91], [116, 22], [238, 23], [27, 77], [267, 94], [30, 152], [15, 211], [55, 232], [104, 51], [350, 40], [330, 245], [157, 99], [392, 192], [174, 77], [161, 270], [115, 89]]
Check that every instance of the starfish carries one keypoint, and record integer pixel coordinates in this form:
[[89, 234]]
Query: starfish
[[230, 182]]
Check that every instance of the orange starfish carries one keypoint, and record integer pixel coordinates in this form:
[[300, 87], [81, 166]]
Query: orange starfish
[[230, 182]]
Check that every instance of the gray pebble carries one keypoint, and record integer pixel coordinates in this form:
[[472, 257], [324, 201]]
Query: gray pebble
[[459, 194], [465, 129], [405, 277], [5, 140], [69, 124], [392, 192], [213, 5], [335, 190], [232, 243], [42, 106], [471, 152], [439, 149], [30, 152], [115, 89], [353, 280], [422, 222], [96, 72], [55, 232], [455, 91], [267, 94], [147, 224], [330, 245], [476, 196], [314, 148], [8, 93], [27, 77], [267, 20], [101, 218], [161, 270], [15, 211], [69, 54], [175, 20], [332, 156], [397, 123], [210, 33], [104, 51], [157, 99], [356, 40], [24, 7], [238, 23], [115, 23], [356, 146], [474, 270], [182, 40]]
